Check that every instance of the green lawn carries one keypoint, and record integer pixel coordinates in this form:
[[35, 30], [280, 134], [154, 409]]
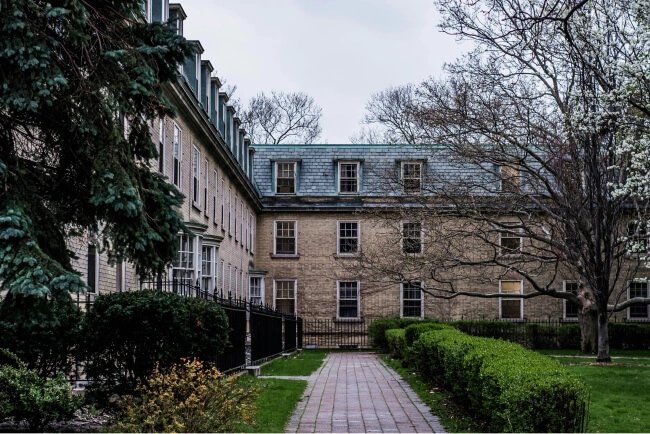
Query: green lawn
[[277, 401], [619, 393], [302, 365]]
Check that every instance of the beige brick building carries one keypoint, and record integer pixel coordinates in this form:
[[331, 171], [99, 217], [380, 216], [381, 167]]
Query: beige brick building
[[285, 224]]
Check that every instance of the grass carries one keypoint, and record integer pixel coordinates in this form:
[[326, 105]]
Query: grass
[[631, 357], [277, 401], [304, 364], [452, 416], [279, 397], [619, 394]]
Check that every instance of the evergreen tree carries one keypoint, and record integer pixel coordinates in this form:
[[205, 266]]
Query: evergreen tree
[[72, 71]]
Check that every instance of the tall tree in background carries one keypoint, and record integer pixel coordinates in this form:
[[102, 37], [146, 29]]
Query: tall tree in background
[[550, 115], [72, 72], [282, 118]]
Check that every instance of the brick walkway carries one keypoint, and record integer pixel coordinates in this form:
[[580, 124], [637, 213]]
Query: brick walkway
[[356, 392]]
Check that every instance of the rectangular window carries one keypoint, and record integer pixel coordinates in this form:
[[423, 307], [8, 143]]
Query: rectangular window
[[348, 178], [411, 237], [206, 171], [230, 211], [223, 201], [207, 269], [348, 238], [510, 243], [223, 275], [236, 234], [412, 300], [637, 289], [255, 291], [236, 283], [93, 269], [570, 309], [252, 234], [247, 227], [510, 182], [348, 298], [195, 175], [511, 308], [241, 221], [161, 145], [285, 238], [214, 199], [183, 264], [285, 180], [285, 296], [178, 154], [229, 280], [412, 178]]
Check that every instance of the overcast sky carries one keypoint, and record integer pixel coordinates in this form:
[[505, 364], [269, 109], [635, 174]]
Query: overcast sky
[[338, 51]]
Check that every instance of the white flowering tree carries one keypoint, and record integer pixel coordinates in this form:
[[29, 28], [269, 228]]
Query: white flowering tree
[[551, 113]]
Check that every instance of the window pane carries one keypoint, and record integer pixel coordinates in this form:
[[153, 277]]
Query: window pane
[[571, 309], [411, 300], [348, 178], [285, 238], [638, 289], [510, 309]]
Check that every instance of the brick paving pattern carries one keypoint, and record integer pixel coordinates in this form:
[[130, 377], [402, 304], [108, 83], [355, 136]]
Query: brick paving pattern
[[356, 392]]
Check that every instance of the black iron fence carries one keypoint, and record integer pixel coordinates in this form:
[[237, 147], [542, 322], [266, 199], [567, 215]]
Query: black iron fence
[[291, 324], [266, 333], [332, 333]]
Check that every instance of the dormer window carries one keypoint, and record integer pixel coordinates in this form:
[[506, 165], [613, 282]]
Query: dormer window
[[285, 181], [412, 177], [509, 177], [348, 177]]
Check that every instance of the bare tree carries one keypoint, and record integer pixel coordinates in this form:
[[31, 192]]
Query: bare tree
[[539, 126], [282, 118], [390, 118]]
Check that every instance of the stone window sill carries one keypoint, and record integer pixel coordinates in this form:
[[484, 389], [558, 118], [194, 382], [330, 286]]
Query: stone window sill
[[276, 256]]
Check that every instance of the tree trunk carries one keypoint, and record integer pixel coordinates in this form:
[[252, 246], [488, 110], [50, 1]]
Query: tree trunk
[[603, 337], [588, 320]]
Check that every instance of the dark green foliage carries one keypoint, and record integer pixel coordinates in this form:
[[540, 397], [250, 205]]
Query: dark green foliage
[[629, 336], [26, 396], [413, 331], [396, 339], [513, 389], [41, 331], [377, 329], [71, 72], [124, 335]]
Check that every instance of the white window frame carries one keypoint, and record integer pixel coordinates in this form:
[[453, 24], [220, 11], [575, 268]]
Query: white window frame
[[229, 279], [358, 177], [223, 203], [177, 157], [223, 276], [647, 307], [196, 176], [188, 268], [338, 300], [405, 222], [261, 288], [206, 174], [402, 299], [236, 233], [215, 198], [566, 302], [252, 250], [293, 178], [161, 145], [338, 237], [241, 221], [275, 237], [211, 268], [230, 211], [521, 301], [509, 235], [120, 276], [406, 190], [295, 293]]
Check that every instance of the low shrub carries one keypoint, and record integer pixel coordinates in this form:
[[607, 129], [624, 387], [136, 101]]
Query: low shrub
[[187, 398], [377, 329], [512, 388], [27, 397], [125, 335], [396, 339], [41, 331], [629, 336], [413, 331]]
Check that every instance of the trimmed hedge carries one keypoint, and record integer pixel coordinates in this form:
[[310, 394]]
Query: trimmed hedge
[[377, 329], [396, 339], [513, 389]]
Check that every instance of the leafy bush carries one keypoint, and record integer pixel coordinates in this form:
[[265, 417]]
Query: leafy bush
[[377, 329], [188, 398], [413, 331], [41, 331], [396, 339], [629, 336], [27, 397], [512, 388], [125, 335]]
